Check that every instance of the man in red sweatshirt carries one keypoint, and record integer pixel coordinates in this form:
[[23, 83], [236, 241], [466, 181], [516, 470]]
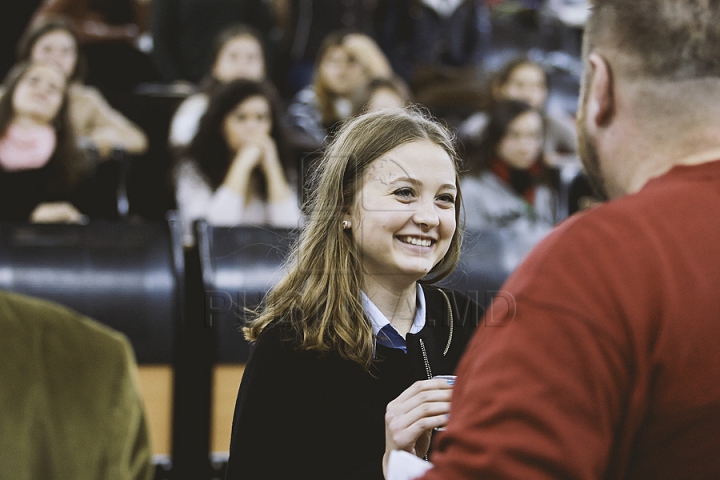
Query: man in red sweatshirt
[[607, 365]]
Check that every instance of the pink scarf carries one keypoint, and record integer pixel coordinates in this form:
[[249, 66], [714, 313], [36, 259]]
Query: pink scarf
[[26, 148]]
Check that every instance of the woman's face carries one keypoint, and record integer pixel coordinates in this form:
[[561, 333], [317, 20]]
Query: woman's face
[[384, 98], [250, 119], [39, 93], [241, 57], [341, 72], [526, 83], [523, 141], [58, 47], [403, 218]]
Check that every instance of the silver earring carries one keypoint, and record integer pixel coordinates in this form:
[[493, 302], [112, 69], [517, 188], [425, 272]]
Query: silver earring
[[345, 224]]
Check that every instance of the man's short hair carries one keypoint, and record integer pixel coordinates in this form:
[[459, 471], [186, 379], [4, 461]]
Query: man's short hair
[[664, 39]]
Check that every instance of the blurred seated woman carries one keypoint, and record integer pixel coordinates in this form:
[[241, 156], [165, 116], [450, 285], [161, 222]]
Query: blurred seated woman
[[507, 183], [384, 93], [41, 166], [233, 171], [238, 53], [346, 63], [96, 124], [526, 80]]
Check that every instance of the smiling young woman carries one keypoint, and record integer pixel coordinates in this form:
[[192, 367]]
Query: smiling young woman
[[350, 328]]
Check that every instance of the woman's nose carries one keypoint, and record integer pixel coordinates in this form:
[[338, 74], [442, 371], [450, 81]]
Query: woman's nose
[[426, 215]]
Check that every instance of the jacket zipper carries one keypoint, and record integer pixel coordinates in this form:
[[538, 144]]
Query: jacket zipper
[[428, 371], [452, 322]]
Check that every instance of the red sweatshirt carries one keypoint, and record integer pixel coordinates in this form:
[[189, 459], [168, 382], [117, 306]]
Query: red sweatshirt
[[601, 358]]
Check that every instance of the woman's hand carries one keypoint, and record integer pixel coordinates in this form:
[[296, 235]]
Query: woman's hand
[[245, 160], [57, 212], [411, 417], [269, 158], [250, 155], [369, 54]]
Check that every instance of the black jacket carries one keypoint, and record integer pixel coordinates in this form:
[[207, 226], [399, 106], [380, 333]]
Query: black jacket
[[299, 415]]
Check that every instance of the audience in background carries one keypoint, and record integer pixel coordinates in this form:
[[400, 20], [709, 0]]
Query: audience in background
[[183, 33], [234, 171], [41, 166], [305, 24], [523, 79], [237, 53], [111, 35], [507, 184], [386, 93], [346, 63], [438, 47], [95, 122], [350, 329]]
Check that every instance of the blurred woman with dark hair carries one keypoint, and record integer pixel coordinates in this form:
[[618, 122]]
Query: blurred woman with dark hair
[[508, 182], [524, 79], [95, 122], [233, 171], [41, 167], [238, 53]]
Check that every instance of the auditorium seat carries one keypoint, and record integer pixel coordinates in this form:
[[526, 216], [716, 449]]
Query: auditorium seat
[[238, 266], [487, 258]]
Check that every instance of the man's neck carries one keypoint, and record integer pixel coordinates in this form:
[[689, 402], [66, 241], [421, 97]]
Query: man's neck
[[643, 175]]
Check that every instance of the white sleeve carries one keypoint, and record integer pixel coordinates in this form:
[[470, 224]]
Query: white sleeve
[[195, 200], [286, 213], [406, 466], [185, 122]]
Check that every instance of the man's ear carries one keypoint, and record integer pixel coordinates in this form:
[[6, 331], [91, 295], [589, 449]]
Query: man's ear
[[601, 97]]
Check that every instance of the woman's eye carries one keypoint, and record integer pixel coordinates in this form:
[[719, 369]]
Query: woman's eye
[[446, 198], [404, 192]]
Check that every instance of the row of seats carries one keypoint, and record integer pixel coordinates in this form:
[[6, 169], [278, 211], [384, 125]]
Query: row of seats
[[182, 308]]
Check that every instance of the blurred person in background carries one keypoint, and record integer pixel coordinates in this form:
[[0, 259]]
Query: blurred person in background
[[304, 24], [238, 53], [41, 167], [346, 63], [96, 123], [438, 47], [113, 35], [183, 33], [235, 171], [507, 183], [386, 93], [526, 80]]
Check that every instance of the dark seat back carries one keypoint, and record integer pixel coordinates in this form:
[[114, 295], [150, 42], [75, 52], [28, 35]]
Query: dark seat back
[[123, 275], [487, 258], [239, 265]]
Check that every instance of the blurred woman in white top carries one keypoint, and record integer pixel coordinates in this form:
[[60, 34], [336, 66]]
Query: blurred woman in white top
[[233, 172], [238, 53]]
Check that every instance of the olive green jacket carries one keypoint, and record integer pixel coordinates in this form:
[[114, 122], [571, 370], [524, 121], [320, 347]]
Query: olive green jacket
[[69, 402]]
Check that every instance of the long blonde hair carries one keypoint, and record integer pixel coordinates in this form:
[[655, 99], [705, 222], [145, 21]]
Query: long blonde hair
[[320, 296]]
